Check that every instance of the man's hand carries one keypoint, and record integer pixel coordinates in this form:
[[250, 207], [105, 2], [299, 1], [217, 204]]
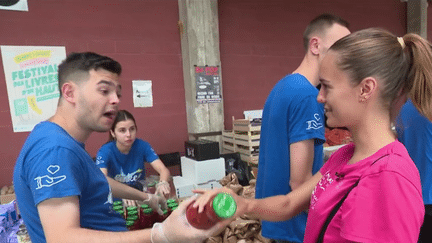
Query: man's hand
[[176, 228]]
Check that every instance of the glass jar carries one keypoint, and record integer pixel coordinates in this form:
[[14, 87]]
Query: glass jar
[[220, 207]]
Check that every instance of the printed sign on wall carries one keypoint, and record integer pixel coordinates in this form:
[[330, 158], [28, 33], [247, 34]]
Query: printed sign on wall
[[142, 93], [17, 5], [32, 83], [208, 87]]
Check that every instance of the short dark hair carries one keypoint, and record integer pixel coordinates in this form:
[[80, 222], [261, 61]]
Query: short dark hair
[[76, 66], [320, 24]]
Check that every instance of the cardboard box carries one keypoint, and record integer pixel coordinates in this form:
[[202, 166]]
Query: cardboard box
[[183, 187], [6, 198], [199, 172], [202, 149], [209, 185]]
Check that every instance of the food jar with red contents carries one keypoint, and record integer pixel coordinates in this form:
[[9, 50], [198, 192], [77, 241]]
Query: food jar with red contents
[[147, 218], [131, 209], [161, 217], [132, 222], [151, 187], [220, 207]]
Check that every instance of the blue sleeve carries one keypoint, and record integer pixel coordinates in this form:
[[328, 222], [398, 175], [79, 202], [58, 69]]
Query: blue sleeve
[[102, 157], [306, 121], [149, 153], [55, 173]]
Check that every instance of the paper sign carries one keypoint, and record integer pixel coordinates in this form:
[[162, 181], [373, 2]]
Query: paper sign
[[142, 93], [32, 84]]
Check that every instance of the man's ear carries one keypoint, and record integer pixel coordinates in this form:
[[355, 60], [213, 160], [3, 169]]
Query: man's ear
[[69, 90], [367, 88], [314, 43]]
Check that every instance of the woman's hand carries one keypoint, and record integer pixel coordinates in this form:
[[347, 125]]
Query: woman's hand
[[157, 203], [207, 195], [163, 188]]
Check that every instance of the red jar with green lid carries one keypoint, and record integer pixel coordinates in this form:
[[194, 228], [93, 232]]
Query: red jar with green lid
[[132, 222], [161, 217], [147, 218], [220, 207]]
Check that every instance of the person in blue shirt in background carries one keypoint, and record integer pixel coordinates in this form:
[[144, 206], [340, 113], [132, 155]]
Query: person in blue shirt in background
[[415, 132], [123, 157], [292, 131]]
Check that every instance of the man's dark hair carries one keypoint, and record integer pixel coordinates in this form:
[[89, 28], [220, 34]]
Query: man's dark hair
[[320, 24], [76, 67]]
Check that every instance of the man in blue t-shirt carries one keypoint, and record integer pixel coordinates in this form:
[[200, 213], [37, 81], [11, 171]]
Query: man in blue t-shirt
[[62, 195], [292, 131], [415, 132]]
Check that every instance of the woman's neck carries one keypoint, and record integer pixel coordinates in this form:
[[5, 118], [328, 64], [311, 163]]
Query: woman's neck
[[369, 139], [122, 149]]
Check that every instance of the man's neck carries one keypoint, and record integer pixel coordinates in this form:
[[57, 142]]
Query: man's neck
[[70, 125], [309, 68]]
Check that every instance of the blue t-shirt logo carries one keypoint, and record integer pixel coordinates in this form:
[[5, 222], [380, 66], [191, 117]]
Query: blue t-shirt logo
[[47, 180], [314, 124]]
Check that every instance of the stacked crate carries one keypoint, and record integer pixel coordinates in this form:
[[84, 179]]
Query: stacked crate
[[244, 139]]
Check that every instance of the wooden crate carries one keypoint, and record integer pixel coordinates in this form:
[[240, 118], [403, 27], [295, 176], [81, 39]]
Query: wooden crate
[[244, 139]]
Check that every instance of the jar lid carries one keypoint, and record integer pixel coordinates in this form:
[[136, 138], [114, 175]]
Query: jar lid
[[148, 210], [117, 202], [129, 223], [118, 207], [131, 213], [144, 206], [132, 217], [171, 201], [172, 204], [152, 184], [224, 205], [120, 212], [131, 208]]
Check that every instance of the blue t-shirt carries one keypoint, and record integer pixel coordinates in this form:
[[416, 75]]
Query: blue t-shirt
[[52, 164], [291, 114], [415, 132], [126, 168]]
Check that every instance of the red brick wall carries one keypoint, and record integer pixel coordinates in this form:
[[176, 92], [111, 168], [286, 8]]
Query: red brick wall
[[261, 41], [141, 34]]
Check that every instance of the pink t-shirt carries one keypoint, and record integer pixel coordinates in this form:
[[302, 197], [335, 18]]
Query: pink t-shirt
[[386, 205]]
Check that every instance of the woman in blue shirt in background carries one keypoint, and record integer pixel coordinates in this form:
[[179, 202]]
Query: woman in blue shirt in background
[[123, 157]]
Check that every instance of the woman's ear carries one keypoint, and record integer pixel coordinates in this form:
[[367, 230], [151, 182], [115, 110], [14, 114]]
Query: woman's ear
[[112, 134], [367, 88]]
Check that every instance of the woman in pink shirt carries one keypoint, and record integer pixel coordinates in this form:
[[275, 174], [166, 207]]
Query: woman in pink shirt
[[371, 185]]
